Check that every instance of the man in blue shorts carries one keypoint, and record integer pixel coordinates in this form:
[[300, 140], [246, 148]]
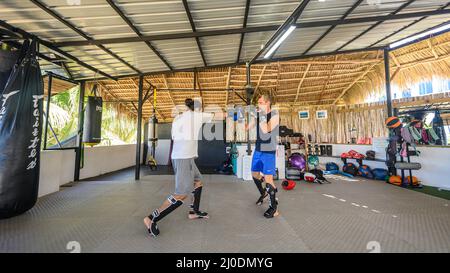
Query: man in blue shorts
[[263, 162]]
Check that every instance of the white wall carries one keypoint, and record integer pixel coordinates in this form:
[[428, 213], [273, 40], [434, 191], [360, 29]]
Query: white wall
[[162, 151], [435, 166], [104, 159], [67, 167], [57, 167], [435, 162]]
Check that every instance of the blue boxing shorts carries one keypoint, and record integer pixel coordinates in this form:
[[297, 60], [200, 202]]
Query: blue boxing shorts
[[264, 162]]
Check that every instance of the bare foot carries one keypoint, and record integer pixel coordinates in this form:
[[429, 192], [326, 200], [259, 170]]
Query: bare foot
[[193, 216], [147, 222], [270, 213], [151, 227]]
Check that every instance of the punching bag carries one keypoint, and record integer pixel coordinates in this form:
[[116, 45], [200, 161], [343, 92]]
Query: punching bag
[[92, 133], [7, 60], [438, 126], [20, 134]]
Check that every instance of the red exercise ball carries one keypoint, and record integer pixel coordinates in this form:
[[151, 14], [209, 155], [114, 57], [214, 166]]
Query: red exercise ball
[[288, 184]]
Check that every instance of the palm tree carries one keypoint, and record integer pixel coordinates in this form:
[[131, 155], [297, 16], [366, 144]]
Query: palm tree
[[117, 127], [63, 115]]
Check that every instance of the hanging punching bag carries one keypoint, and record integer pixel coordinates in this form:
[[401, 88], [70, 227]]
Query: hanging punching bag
[[438, 126], [92, 133], [7, 61], [20, 134]]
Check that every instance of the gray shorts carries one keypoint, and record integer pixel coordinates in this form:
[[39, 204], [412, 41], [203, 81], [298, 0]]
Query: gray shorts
[[186, 172]]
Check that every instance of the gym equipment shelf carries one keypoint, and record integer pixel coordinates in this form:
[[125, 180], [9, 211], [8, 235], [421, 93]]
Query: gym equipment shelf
[[405, 182], [376, 160]]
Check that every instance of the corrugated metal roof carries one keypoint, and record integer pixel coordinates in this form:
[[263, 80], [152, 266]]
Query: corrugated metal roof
[[209, 15], [424, 5], [418, 27], [181, 53], [299, 41], [221, 49], [156, 17], [137, 54], [253, 43], [98, 20], [329, 10], [270, 12], [376, 34]]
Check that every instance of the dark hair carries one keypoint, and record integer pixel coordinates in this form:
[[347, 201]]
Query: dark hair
[[189, 103], [267, 97]]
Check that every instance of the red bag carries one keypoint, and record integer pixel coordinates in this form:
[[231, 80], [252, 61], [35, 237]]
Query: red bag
[[354, 154]]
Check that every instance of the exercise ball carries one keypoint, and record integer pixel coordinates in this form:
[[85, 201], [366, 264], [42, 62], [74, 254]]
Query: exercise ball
[[393, 122], [297, 161], [288, 184], [313, 160]]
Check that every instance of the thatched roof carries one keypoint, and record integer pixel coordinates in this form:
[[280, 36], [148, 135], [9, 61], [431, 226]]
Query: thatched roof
[[330, 80], [58, 85], [409, 65]]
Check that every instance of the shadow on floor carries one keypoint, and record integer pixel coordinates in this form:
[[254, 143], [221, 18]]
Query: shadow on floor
[[129, 173], [340, 217]]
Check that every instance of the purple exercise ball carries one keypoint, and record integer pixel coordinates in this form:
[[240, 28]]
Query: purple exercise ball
[[297, 161]]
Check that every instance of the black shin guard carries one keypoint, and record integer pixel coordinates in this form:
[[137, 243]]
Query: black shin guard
[[258, 183], [273, 201], [262, 192], [158, 215], [195, 206]]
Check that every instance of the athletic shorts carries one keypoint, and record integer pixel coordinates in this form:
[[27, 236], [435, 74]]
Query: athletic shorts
[[186, 172], [264, 162]]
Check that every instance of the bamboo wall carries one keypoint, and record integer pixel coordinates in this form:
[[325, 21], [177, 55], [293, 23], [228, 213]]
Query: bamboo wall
[[343, 123]]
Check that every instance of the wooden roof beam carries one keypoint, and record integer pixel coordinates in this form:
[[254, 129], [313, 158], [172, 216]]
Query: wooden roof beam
[[394, 58], [227, 86], [117, 99], [156, 110], [259, 80], [329, 75], [168, 89], [301, 82], [430, 45]]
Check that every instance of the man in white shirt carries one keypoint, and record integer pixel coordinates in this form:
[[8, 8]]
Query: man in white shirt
[[185, 134]]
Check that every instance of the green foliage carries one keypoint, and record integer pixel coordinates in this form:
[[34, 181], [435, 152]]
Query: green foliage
[[117, 128], [63, 116]]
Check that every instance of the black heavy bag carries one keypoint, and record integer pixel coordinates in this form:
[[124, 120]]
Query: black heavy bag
[[7, 60], [92, 133], [20, 134], [438, 126]]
